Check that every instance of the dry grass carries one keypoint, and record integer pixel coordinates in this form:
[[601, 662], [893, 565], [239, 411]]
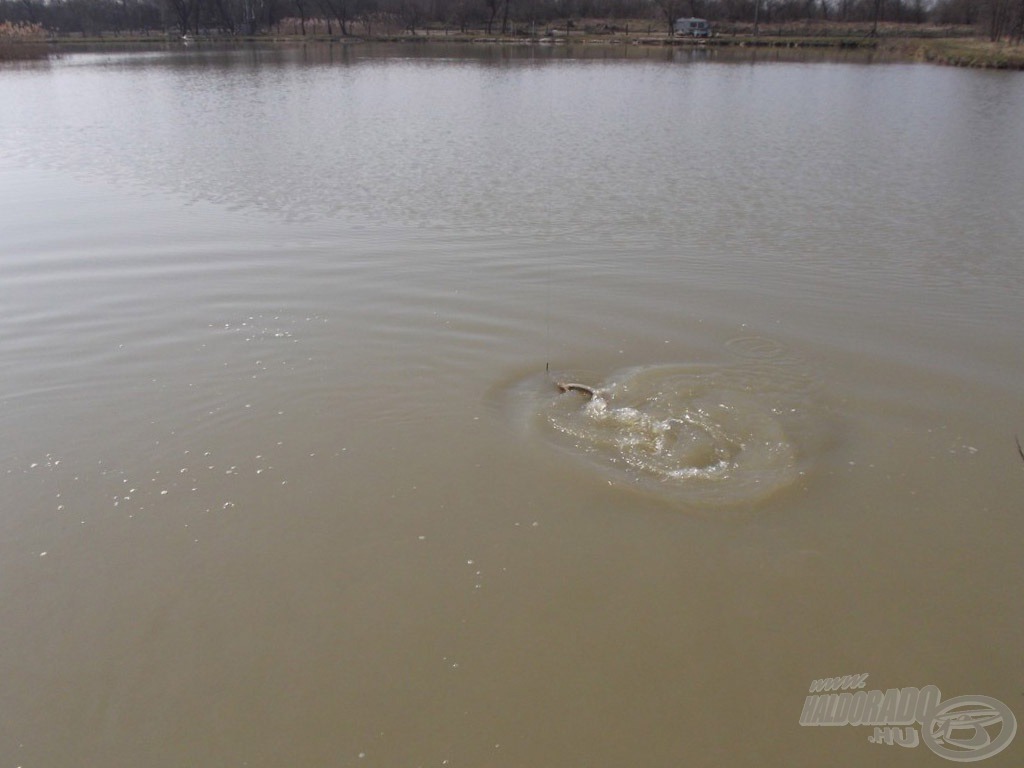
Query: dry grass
[[972, 53], [22, 41]]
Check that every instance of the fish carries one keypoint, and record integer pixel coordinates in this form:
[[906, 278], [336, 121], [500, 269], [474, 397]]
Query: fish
[[583, 389]]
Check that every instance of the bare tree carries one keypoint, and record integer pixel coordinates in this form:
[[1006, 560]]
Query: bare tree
[[877, 5], [301, 7], [1000, 14], [185, 11], [671, 10], [492, 11], [337, 9]]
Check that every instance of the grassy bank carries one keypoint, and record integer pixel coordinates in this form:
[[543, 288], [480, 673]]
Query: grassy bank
[[966, 53]]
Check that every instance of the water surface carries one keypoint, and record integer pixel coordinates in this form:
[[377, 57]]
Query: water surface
[[285, 480]]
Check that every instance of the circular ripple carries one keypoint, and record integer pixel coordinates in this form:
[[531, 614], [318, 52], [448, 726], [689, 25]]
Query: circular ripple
[[756, 348], [704, 435]]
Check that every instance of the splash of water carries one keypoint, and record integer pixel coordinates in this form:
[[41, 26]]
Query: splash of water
[[708, 435]]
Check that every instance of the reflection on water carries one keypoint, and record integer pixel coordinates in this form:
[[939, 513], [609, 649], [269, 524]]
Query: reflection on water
[[284, 480]]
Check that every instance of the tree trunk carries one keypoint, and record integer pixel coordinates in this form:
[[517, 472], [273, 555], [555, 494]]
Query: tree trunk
[[874, 22], [493, 7]]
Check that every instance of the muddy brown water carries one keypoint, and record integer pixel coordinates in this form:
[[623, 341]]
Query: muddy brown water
[[283, 478]]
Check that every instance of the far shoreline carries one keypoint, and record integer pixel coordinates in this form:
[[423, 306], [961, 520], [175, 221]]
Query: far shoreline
[[952, 47]]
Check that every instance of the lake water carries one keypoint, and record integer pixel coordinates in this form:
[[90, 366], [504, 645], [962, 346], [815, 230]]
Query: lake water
[[285, 481]]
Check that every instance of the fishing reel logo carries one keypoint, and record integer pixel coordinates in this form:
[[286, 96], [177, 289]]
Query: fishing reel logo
[[963, 729]]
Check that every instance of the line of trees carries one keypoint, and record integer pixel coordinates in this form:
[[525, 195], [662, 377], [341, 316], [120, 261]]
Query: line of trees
[[1001, 19]]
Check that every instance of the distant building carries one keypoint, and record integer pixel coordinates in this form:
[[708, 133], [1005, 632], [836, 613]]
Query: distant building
[[692, 27]]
